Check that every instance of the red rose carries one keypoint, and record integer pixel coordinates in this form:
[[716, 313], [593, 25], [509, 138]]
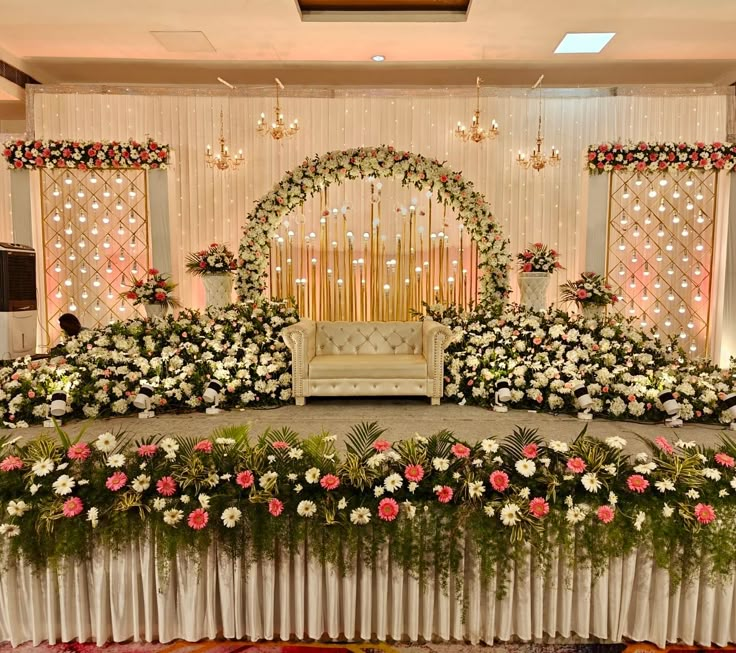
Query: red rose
[[6, 152], [38, 145], [152, 271], [591, 156], [527, 267], [131, 295], [18, 163], [202, 264]]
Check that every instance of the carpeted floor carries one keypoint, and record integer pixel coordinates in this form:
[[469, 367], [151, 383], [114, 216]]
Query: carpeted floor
[[401, 417]]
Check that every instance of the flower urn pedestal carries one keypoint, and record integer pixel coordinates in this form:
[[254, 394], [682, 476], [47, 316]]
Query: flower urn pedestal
[[533, 287], [593, 311], [155, 310], [218, 289]]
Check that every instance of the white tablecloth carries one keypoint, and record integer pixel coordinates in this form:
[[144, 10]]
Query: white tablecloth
[[126, 596]]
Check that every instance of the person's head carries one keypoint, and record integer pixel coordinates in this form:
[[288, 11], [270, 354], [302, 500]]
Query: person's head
[[69, 324]]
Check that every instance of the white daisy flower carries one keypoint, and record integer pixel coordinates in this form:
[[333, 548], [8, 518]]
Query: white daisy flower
[[93, 516], [184, 498], [393, 482], [292, 476], [43, 467], [9, 530], [476, 489], [295, 453], [711, 473], [692, 494], [378, 491], [639, 520], [510, 514], [63, 485], [575, 515], [723, 493], [525, 492], [409, 510], [342, 504], [591, 482], [17, 508], [612, 498], [412, 487], [173, 516], [306, 508], [645, 468], [489, 510], [667, 510], [115, 460], [34, 488], [230, 517], [686, 445], [159, 503], [204, 500], [312, 475], [665, 485], [298, 488], [375, 460], [610, 469], [558, 446], [616, 442], [441, 464], [525, 467], [360, 516], [268, 480], [489, 445], [105, 442]]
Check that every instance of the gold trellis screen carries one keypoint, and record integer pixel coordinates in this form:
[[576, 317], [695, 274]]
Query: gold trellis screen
[[660, 251], [377, 262], [95, 239]]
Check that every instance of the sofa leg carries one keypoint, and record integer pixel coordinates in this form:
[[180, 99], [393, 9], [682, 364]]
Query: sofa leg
[[300, 401], [435, 401]]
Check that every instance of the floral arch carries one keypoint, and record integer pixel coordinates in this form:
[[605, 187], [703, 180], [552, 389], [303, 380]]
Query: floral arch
[[448, 187]]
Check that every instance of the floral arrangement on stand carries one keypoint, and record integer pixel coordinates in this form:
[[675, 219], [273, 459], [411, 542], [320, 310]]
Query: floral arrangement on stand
[[101, 369], [590, 289], [156, 288], [423, 496], [317, 173], [216, 259], [86, 155], [658, 157], [539, 258]]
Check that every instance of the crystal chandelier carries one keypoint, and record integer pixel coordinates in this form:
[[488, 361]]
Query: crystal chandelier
[[223, 160], [476, 133], [277, 129], [538, 160]]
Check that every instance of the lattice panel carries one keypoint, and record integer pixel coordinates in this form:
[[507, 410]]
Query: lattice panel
[[96, 238], [660, 251]]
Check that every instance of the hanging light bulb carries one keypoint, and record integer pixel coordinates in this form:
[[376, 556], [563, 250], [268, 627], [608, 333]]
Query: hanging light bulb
[[697, 271], [57, 217], [80, 193], [643, 323], [96, 282], [693, 347], [689, 206], [637, 205], [699, 246], [121, 231], [647, 243], [682, 335], [632, 308], [98, 308], [638, 181], [96, 255], [684, 282], [675, 217], [670, 295], [118, 179], [133, 243], [632, 282], [93, 178], [94, 231], [106, 219], [634, 256], [83, 268], [626, 194], [685, 231], [72, 256], [668, 321], [685, 256], [691, 323], [652, 192], [676, 192], [121, 256], [109, 292], [106, 242], [645, 294], [636, 233], [57, 244], [56, 192], [657, 308], [106, 192], [57, 267], [621, 270], [119, 205], [68, 229], [699, 194], [58, 294], [82, 243], [95, 203], [108, 269], [689, 181], [681, 309], [701, 218], [132, 219], [648, 218], [131, 192], [134, 269], [660, 230], [659, 256], [621, 244], [85, 294], [658, 282], [121, 308], [661, 208], [669, 246], [68, 203], [663, 182], [68, 179], [68, 282], [698, 296], [646, 269], [624, 219], [72, 306]]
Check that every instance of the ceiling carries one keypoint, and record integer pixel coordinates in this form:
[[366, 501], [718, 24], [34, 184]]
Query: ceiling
[[507, 42]]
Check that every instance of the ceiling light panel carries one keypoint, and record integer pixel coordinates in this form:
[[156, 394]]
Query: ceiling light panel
[[584, 42]]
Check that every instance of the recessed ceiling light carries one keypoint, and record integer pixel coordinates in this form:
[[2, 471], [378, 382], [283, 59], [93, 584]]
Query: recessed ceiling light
[[584, 42], [378, 57]]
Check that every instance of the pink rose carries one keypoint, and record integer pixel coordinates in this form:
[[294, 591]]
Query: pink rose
[[203, 445]]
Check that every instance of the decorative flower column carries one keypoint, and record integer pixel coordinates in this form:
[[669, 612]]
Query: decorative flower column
[[536, 264]]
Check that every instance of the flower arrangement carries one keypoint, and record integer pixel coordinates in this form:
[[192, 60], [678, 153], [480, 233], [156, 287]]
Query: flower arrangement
[[590, 289], [216, 259], [101, 368], [411, 169], [86, 155], [156, 288], [658, 157], [538, 258], [60, 497]]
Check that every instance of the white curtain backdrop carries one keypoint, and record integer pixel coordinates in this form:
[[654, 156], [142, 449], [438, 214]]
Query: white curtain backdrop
[[124, 596], [6, 217], [209, 205]]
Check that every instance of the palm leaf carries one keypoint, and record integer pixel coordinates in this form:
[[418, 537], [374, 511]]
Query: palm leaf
[[360, 438], [514, 444]]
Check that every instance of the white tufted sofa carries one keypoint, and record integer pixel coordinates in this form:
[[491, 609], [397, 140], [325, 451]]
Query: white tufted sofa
[[343, 359]]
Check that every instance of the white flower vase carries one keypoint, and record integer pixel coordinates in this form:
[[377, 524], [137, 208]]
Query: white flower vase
[[218, 289], [533, 287], [156, 310], [593, 311]]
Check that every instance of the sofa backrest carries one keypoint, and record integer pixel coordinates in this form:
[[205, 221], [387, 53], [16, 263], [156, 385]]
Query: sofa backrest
[[368, 338]]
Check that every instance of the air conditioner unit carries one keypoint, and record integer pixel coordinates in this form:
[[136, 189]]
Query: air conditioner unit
[[18, 308]]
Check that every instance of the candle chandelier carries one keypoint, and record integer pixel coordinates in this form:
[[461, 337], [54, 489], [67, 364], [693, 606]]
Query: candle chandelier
[[476, 133], [277, 129], [538, 160], [223, 160]]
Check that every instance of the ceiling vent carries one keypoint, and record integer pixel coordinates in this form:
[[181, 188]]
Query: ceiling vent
[[184, 41], [384, 10]]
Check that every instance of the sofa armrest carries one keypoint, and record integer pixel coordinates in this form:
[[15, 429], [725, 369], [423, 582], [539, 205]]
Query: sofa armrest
[[435, 339], [301, 339]]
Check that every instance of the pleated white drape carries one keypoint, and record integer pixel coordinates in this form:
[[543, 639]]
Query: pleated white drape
[[208, 206], [126, 596], [6, 217]]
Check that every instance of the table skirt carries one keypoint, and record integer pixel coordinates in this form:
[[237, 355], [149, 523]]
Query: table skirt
[[128, 596]]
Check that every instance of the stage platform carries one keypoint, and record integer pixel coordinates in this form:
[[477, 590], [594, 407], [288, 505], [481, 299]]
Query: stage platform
[[400, 417]]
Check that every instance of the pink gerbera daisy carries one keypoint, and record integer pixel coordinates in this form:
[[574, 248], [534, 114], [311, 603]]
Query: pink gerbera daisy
[[166, 486], [388, 509], [724, 459], [381, 445], [280, 444], [329, 482], [275, 507], [116, 481], [10, 463], [204, 446], [704, 513], [576, 465], [606, 514], [499, 480], [664, 445], [245, 479], [78, 451], [460, 450], [530, 450], [72, 507], [538, 507], [198, 519], [444, 493], [414, 473], [147, 450], [637, 483]]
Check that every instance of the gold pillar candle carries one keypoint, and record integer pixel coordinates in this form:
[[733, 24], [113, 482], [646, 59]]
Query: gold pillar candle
[[313, 291]]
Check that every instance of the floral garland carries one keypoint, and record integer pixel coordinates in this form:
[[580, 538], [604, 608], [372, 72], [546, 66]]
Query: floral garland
[[86, 155], [60, 497], [358, 163], [659, 157]]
